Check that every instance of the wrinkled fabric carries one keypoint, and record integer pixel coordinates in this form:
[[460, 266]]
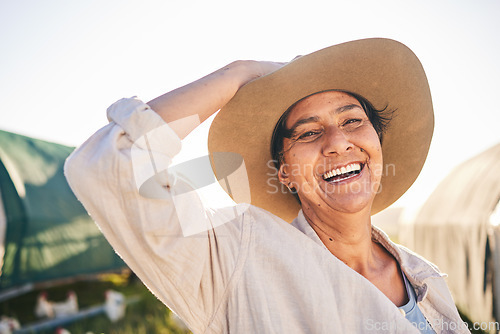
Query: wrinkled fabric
[[232, 270]]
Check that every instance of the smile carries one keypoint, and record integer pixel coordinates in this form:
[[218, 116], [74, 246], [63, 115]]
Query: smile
[[343, 173]]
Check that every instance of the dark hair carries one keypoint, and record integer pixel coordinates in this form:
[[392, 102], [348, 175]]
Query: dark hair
[[379, 119]]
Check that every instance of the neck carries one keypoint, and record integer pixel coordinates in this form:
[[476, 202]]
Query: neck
[[346, 235]]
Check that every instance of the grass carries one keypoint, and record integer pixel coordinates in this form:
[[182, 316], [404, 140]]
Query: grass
[[148, 315]]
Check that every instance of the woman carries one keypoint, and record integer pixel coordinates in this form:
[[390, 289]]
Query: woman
[[245, 269]]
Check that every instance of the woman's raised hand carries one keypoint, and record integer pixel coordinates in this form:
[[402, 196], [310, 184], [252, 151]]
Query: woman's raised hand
[[258, 69], [193, 103]]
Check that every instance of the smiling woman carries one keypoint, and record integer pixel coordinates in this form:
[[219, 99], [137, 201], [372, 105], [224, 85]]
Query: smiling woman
[[377, 118], [247, 269], [337, 134]]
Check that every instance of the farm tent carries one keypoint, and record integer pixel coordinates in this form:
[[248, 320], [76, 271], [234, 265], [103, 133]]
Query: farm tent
[[458, 228], [45, 233]]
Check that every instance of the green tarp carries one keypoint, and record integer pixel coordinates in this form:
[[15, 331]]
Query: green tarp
[[48, 233]]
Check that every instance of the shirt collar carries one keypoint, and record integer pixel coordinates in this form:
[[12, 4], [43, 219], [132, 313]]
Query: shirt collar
[[416, 268], [302, 225]]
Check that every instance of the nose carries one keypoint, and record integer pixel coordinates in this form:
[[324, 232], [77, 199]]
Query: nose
[[336, 141]]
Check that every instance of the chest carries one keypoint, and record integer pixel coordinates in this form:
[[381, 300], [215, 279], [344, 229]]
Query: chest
[[292, 285]]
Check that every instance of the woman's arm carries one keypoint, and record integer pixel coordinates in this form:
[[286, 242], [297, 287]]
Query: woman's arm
[[202, 98], [121, 176]]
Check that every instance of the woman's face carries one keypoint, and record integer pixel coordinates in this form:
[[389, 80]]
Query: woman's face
[[333, 158]]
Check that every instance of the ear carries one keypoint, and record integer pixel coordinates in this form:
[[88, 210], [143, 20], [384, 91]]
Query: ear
[[283, 176]]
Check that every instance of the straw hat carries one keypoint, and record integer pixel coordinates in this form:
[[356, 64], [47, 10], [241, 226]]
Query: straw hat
[[383, 71]]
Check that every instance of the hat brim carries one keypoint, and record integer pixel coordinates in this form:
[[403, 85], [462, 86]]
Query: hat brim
[[384, 71]]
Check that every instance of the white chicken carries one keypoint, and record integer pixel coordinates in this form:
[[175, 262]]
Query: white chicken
[[8, 325], [115, 305], [49, 309], [61, 330], [67, 307], [43, 308]]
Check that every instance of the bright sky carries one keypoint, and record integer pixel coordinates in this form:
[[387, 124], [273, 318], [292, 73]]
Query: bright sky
[[63, 62]]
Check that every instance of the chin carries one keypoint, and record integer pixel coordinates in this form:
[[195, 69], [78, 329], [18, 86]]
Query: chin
[[353, 206], [350, 202], [340, 202]]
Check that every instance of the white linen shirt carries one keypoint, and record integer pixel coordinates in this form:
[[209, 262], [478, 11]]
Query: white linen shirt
[[241, 270]]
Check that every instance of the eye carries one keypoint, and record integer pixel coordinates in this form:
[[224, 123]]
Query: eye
[[309, 135], [352, 121]]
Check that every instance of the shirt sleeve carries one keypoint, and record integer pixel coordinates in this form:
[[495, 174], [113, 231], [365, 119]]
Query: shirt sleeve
[[185, 253]]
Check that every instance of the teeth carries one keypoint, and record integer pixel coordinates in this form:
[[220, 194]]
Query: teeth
[[342, 170]]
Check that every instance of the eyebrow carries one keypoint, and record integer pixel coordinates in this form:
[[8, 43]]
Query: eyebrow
[[347, 107]]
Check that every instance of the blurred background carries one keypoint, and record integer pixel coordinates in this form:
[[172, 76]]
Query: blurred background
[[62, 63]]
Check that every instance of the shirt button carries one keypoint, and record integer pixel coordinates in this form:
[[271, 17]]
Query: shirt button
[[402, 312]]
